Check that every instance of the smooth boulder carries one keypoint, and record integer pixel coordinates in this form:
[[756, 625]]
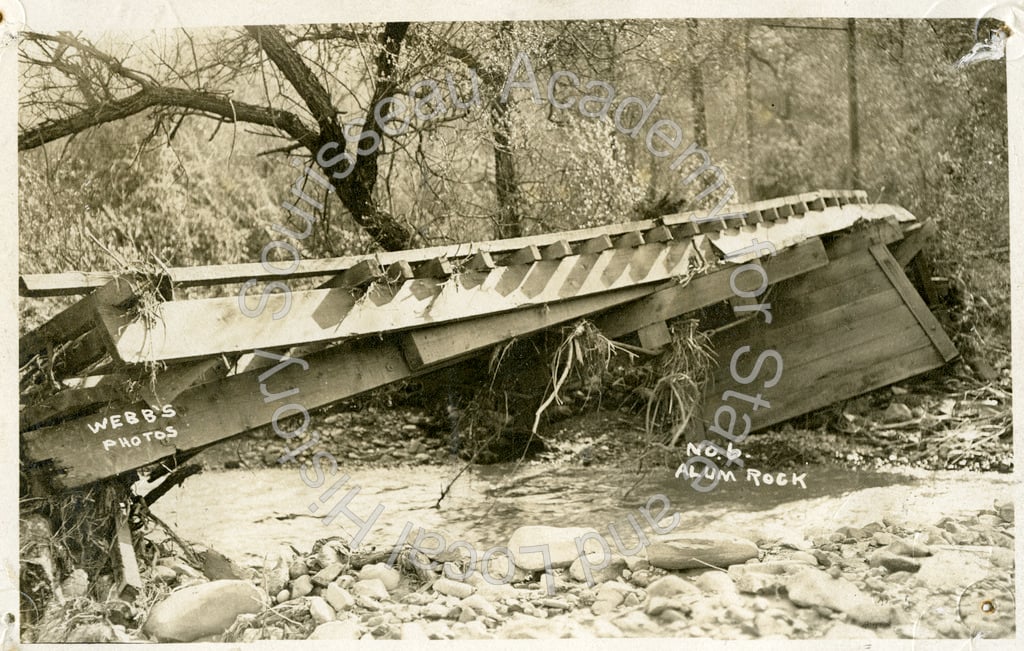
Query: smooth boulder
[[201, 610], [559, 541], [687, 551]]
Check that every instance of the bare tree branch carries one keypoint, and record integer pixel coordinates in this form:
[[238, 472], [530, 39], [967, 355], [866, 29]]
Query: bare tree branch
[[152, 96], [302, 79]]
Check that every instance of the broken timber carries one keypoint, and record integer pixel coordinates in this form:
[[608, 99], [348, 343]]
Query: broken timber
[[843, 311]]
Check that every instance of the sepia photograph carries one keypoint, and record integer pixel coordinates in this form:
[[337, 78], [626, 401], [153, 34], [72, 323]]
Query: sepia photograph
[[556, 329]]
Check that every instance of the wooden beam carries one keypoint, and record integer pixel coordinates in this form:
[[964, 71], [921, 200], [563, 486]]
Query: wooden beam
[[629, 240], [359, 275], [914, 242], [67, 403], [434, 268], [556, 251], [658, 234], [130, 584], [706, 290], [596, 244], [864, 236], [78, 282], [480, 261], [170, 382], [73, 321], [426, 346], [655, 336], [333, 314], [207, 413], [526, 255], [399, 272], [928, 322]]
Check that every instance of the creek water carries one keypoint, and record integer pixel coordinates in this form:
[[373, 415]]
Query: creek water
[[248, 514]]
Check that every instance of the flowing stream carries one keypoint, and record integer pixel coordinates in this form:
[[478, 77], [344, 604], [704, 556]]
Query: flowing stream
[[248, 514]]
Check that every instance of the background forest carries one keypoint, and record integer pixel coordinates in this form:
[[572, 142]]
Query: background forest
[[179, 146]]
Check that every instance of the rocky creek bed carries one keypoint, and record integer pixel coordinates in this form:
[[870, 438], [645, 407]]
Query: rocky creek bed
[[952, 579]]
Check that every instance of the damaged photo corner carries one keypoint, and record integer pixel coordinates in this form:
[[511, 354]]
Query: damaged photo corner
[[437, 324]]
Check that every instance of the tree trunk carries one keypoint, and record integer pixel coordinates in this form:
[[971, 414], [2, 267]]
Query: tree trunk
[[696, 81], [356, 191], [506, 181], [854, 109]]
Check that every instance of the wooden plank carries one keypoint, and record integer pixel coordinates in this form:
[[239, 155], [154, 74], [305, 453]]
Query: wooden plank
[[83, 352], [399, 272], [332, 314], [793, 327], [78, 282], [130, 584], [866, 235], [912, 244], [654, 336], [791, 300], [171, 381], [67, 403], [837, 271], [208, 413], [658, 234], [629, 240], [426, 346], [706, 290], [913, 300], [559, 249], [822, 335], [526, 255], [434, 268], [72, 322], [833, 380], [480, 261], [683, 230], [596, 244], [359, 275]]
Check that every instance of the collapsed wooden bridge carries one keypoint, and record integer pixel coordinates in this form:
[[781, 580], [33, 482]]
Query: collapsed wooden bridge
[[845, 318]]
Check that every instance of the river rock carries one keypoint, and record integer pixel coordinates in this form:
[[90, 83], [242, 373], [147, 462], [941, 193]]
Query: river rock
[[388, 575], [804, 557], [321, 610], [687, 551], [909, 548], [338, 597], [327, 574], [893, 562], [372, 588], [763, 578], [609, 573], [278, 574], [897, 412], [560, 541], [207, 609], [453, 588], [716, 583], [480, 605], [811, 588], [217, 566], [609, 597], [672, 585], [337, 630], [302, 586], [413, 631], [297, 568]]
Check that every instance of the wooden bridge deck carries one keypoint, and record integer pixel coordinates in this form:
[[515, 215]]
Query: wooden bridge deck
[[383, 318]]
